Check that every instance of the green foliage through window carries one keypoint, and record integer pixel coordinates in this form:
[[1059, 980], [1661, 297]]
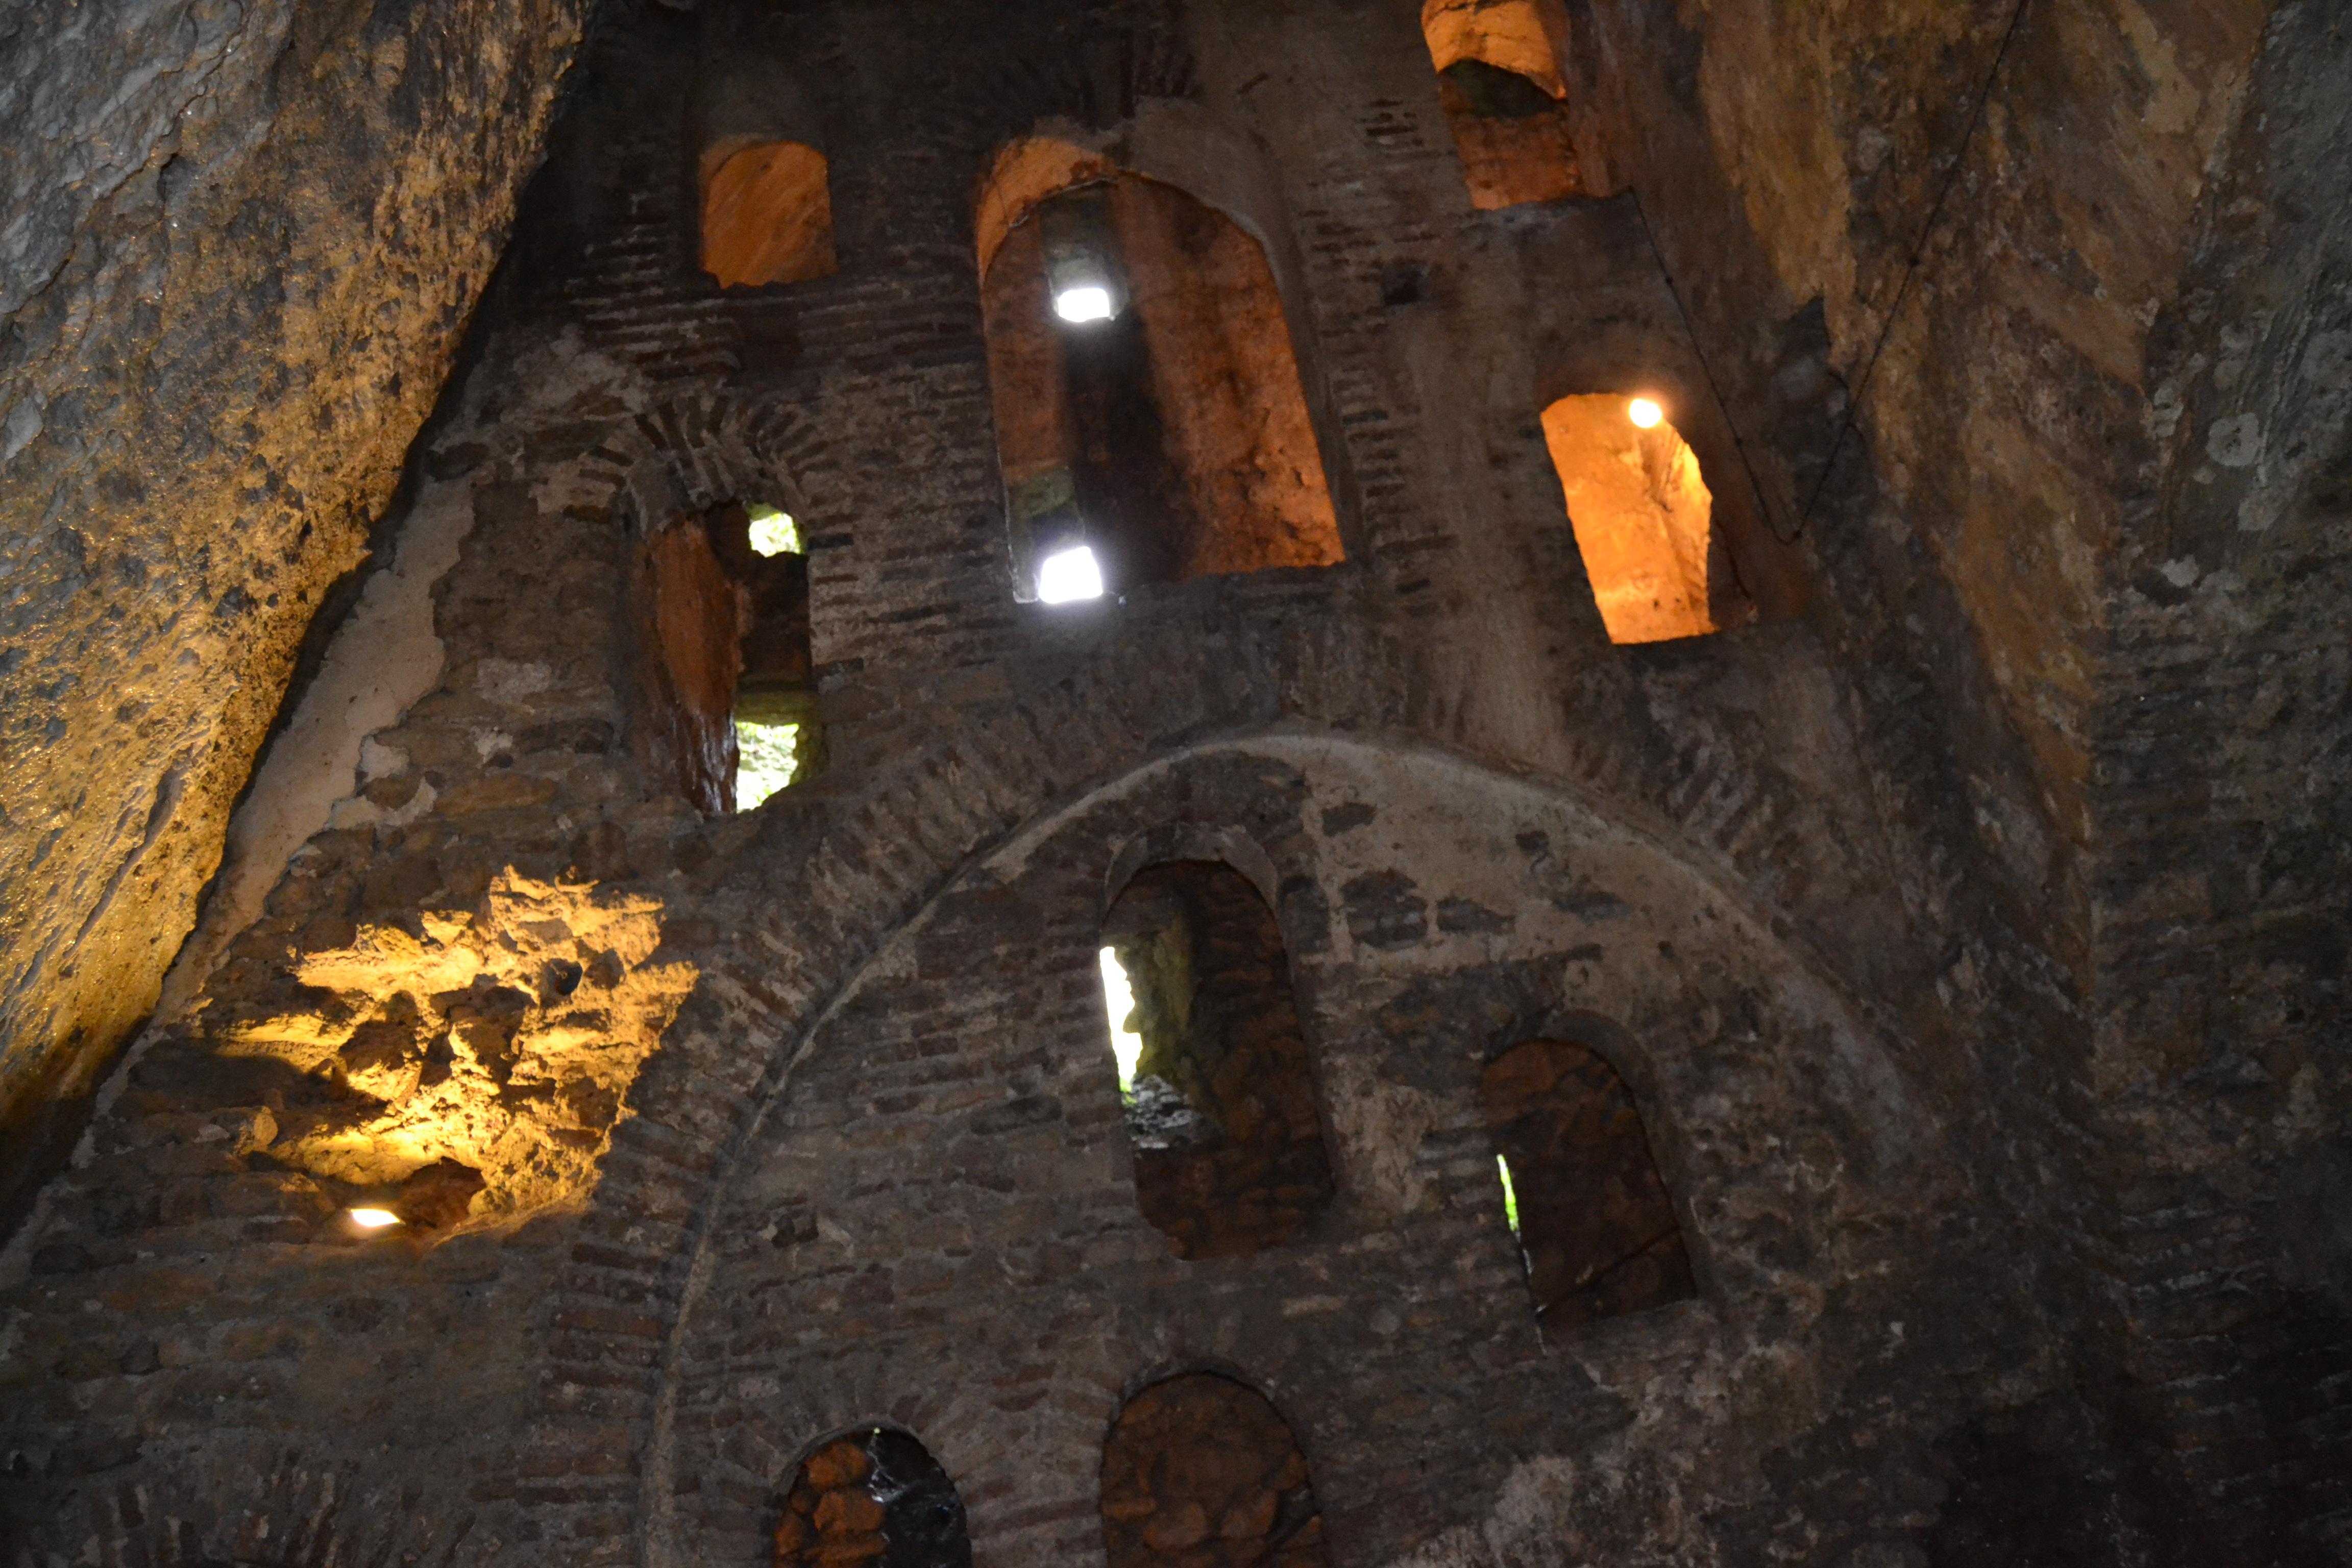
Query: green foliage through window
[[775, 532], [767, 758]]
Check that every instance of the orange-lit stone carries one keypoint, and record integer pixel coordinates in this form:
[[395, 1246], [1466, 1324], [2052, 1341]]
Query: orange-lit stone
[[767, 214], [1515, 153], [1641, 513], [1508, 163], [1026, 173], [1249, 491], [1510, 35]]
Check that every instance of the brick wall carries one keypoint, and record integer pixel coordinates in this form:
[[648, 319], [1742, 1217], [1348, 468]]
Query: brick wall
[[841, 1144]]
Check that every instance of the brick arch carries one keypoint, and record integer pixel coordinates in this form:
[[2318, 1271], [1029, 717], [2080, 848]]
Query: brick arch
[[886, 860], [1235, 848], [695, 451], [1086, 69]]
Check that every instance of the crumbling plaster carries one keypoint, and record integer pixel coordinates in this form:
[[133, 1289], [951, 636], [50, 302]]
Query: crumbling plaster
[[241, 243], [384, 656]]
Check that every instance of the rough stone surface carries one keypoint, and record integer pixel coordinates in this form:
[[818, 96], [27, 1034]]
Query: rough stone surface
[[238, 243]]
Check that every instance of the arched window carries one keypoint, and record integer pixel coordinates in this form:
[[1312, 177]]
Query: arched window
[[1201, 1471], [1499, 81], [1579, 1191], [1220, 1098], [1642, 512], [727, 709], [766, 213], [1149, 414], [872, 1497]]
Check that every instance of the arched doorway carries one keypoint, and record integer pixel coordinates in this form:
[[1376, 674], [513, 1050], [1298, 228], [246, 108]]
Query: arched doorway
[[1149, 407]]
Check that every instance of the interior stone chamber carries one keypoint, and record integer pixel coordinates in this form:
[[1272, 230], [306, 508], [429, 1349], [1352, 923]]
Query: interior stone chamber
[[1719, 777]]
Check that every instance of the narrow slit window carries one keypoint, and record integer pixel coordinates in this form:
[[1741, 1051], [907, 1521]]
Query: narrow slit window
[[766, 213], [1219, 1094], [874, 1496], [776, 733], [1499, 83], [1150, 417], [1119, 1003], [1641, 513], [726, 708], [1596, 1229], [1202, 1471]]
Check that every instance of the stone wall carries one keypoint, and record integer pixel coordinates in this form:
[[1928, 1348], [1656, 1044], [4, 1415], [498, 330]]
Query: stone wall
[[239, 245], [799, 1122]]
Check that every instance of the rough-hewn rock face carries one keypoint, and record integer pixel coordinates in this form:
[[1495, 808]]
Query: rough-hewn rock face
[[1963, 923], [238, 242], [2085, 298]]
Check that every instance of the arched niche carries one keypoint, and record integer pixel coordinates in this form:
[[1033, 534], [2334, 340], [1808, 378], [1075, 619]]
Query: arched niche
[[762, 183], [871, 1498], [766, 213], [1149, 406], [722, 692], [1199, 1470], [1581, 1188], [1642, 512], [1500, 84], [1217, 1087]]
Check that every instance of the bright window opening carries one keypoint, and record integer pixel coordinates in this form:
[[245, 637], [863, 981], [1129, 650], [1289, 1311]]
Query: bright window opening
[[775, 532], [767, 759], [1118, 1002], [1068, 575], [1217, 1093], [725, 705], [1148, 398], [1089, 303], [1510, 1194]]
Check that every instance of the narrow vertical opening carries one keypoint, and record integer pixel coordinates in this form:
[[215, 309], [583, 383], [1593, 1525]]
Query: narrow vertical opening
[[777, 738], [1218, 1091], [873, 1496], [1149, 415], [1203, 1472], [727, 705], [766, 213], [1499, 82], [1642, 512], [1582, 1197]]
